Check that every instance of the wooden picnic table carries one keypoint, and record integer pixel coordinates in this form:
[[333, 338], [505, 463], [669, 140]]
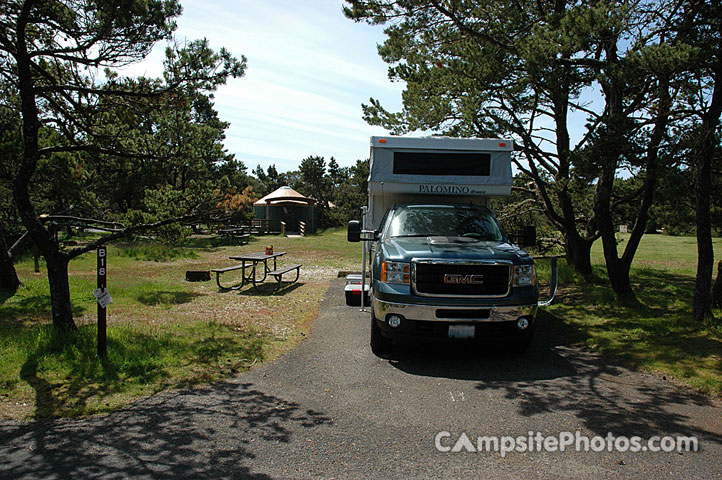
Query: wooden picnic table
[[250, 261], [254, 259], [277, 273]]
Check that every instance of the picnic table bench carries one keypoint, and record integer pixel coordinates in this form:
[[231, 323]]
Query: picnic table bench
[[278, 274], [219, 271]]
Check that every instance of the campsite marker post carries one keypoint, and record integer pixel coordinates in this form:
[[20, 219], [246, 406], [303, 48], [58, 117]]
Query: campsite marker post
[[104, 299]]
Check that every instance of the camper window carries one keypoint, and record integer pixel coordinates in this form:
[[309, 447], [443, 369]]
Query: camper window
[[442, 163]]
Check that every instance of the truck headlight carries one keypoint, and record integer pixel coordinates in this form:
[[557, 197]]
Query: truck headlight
[[395, 272], [524, 276]]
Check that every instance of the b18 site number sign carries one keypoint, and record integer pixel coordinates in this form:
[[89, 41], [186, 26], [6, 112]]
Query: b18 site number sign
[[101, 293], [104, 298]]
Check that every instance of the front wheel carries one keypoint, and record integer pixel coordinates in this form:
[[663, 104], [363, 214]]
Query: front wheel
[[380, 345]]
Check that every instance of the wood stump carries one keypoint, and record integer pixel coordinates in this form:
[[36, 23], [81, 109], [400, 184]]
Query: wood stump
[[198, 275]]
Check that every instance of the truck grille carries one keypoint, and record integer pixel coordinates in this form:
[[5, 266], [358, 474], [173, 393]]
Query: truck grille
[[482, 279]]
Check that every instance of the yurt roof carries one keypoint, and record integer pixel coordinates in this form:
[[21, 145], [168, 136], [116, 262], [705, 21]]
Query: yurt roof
[[284, 194]]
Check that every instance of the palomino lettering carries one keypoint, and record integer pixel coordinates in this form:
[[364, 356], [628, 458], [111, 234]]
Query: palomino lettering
[[454, 189]]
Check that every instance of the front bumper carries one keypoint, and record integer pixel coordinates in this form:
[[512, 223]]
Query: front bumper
[[454, 314], [433, 322]]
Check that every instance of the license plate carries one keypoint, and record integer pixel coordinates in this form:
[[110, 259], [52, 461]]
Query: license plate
[[461, 331]]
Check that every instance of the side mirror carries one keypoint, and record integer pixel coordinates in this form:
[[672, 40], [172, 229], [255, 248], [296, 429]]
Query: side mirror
[[354, 231], [529, 236]]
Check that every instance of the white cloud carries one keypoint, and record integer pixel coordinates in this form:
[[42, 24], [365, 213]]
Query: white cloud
[[309, 70]]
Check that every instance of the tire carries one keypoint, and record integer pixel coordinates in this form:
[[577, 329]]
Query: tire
[[380, 345]]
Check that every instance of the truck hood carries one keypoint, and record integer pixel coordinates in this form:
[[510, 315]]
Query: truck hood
[[406, 248]]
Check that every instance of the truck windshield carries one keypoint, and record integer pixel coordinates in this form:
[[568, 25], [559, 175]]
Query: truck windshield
[[448, 221]]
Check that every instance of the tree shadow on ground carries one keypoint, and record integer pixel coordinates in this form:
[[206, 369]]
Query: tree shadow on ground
[[49, 402], [36, 306], [657, 332], [5, 294], [487, 361], [269, 288], [87, 375], [554, 377], [191, 434], [85, 381]]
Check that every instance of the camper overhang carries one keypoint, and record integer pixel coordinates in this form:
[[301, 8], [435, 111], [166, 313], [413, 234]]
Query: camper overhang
[[441, 166]]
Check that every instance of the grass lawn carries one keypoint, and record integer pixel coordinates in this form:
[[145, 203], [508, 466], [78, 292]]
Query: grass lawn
[[163, 332], [166, 333]]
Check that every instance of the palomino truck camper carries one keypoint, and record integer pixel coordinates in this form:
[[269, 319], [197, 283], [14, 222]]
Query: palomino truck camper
[[441, 266]]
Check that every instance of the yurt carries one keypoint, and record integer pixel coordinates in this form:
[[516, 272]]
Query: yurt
[[290, 207]]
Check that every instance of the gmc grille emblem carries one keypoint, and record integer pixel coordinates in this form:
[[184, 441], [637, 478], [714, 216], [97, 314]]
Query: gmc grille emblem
[[455, 278]]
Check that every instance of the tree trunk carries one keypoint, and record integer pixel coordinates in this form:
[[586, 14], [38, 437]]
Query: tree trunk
[[57, 262], [705, 146], [578, 253], [705, 251], [8, 276], [621, 266], [613, 145], [62, 311], [578, 248], [717, 289], [617, 271]]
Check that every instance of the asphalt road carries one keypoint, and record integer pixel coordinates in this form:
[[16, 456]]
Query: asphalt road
[[330, 409]]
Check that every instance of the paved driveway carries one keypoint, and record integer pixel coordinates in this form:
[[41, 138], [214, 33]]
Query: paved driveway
[[331, 409]]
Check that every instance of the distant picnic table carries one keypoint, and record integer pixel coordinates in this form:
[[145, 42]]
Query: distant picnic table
[[236, 233]]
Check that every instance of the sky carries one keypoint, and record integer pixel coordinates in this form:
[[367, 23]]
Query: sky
[[309, 69]]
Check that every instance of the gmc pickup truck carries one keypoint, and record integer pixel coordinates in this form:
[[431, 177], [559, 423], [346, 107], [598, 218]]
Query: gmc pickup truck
[[441, 267]]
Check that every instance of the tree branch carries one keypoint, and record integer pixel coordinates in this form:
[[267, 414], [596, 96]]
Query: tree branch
[[126, 232]]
